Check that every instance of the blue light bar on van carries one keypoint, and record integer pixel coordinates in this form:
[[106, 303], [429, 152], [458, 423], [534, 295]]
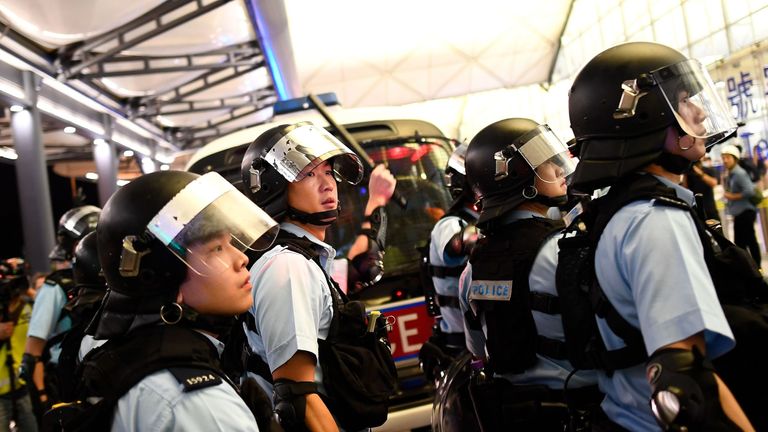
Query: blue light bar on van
[[303, 103]]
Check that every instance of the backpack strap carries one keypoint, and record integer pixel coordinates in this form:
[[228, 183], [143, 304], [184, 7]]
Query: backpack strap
[[635, 188]]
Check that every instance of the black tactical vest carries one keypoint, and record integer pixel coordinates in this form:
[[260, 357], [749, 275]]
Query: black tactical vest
[[501, 265]]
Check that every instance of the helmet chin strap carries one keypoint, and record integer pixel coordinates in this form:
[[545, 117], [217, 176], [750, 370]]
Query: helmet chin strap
[[556, 201], [675, 164], [322, 218]]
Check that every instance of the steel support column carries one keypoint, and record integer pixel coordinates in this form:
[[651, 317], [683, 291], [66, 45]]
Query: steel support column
[[105, 156], [32, 179]]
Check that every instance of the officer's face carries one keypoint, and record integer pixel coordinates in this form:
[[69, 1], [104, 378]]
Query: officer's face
[[317, 192], [691, 113], [221, 286], [550, 180]]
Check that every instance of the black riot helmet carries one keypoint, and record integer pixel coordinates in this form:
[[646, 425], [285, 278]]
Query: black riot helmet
[[86, 269], [502, 160], [73, 226], [456, 177], [89, 280], [147, 238], [287, 153], [624, 100], [13, 280]]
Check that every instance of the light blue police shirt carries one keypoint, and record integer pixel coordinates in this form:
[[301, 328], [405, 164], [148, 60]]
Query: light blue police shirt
[[650, 264], [292, 304], [739, 182], [159, 403], [547, 371], [452, 320], [46, 313]]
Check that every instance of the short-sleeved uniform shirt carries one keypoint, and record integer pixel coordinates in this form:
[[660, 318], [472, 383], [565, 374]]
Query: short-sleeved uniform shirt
[[292, 304], [649, 262], [47, 321]]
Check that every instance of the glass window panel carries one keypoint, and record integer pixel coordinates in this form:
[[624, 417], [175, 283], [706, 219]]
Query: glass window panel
[[613, 27], [759, 19], [670, 29], [756, 5], [741, 34], [606, 7], [592, 38], [644, 35], [659, 8], [710, 48], [635, 15], [582, 16], [735, 10], [704, 17]]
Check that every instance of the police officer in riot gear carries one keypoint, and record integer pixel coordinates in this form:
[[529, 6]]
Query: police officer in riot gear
[[292, 171], [89, 289], [451, 241], [518, 170], [170, 245], [48, 316], [641, 114]]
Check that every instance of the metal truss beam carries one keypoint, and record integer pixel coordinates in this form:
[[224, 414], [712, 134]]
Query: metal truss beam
[[192, 107], [124, 37], [239, 55], [199, 84]]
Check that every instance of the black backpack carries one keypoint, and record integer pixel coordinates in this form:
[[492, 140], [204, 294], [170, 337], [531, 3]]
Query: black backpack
[[359, 374]]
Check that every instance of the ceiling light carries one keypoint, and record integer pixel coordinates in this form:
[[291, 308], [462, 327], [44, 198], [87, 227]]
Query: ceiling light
[[99, 141], [70, 130], [148, 165], [91, 176], [128, 153], [16, 108], [165, 167]]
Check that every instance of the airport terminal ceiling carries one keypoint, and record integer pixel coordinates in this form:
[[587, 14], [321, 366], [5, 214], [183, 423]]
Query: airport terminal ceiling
[[190, 71], [174, 75]]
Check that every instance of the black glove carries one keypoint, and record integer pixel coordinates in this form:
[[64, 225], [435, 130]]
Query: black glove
[[27, 366], [433, 359]]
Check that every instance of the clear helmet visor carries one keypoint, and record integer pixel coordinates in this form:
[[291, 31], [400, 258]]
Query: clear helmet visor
[[547, 156], [697, 106], [209, 224], [305, 147], [456, 162]]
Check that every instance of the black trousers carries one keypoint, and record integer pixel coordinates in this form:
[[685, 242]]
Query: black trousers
[[744, 233]]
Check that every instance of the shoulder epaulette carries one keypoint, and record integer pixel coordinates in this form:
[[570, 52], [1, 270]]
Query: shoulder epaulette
[[195, 379]]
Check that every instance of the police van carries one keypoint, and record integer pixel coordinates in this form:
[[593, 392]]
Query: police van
[[416, 153]]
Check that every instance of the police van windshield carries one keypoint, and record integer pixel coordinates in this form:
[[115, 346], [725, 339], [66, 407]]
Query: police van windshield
[[417, 163]]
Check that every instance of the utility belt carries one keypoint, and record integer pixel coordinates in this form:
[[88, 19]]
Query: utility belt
[[502, 406]]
